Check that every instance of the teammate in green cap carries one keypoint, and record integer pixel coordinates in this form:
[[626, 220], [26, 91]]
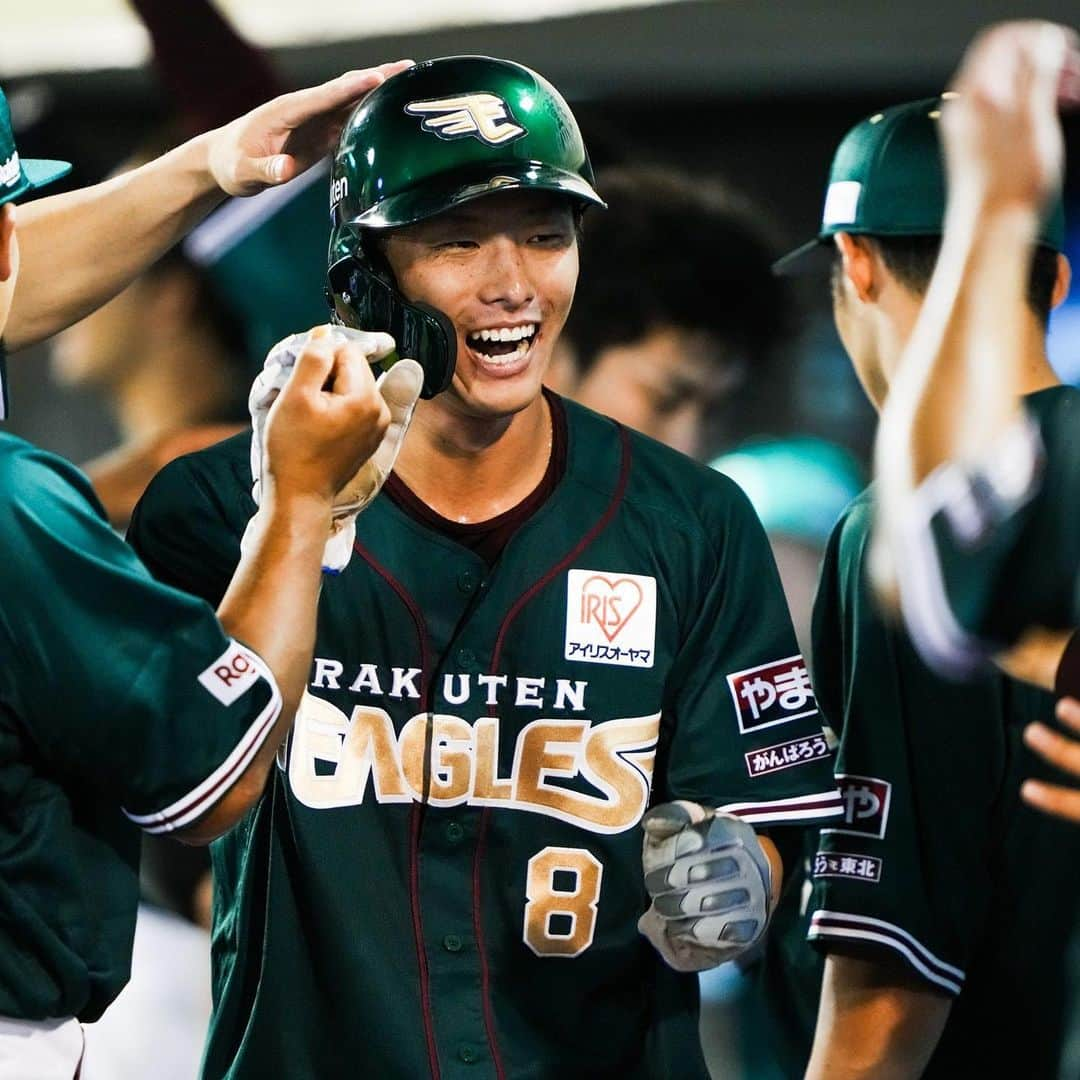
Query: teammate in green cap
[[548, 624], [934, 891], [125, 703]]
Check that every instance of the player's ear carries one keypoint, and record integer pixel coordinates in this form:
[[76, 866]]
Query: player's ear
[[1062, 282], [858, 263], [7, 241]]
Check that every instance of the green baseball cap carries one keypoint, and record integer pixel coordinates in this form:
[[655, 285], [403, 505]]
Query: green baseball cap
[[888, 179], [20, 175], [17, 177]]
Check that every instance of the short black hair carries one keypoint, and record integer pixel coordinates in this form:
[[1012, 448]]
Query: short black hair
[[911, 260], [674, 250]]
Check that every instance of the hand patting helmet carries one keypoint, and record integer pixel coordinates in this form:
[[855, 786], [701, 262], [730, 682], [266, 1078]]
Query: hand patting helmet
[[440, 134]]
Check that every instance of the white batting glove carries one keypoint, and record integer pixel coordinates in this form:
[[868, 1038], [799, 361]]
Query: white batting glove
[[400, 388], [710, 883]]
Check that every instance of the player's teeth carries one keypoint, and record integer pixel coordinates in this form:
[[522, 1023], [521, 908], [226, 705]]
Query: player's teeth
[[504, 333]]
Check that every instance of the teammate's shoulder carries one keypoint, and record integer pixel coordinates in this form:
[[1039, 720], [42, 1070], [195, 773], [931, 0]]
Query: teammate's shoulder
[[224, 466], [1056, 410], [857, 518], [28, 471]]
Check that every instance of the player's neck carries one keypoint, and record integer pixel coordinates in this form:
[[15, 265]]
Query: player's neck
[[469, 469], [180, 383], [1037, 372]]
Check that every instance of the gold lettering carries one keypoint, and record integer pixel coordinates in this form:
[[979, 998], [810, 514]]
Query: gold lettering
[[619, 759], [536, 759], [358, 747], [487, 786], [451, 757]]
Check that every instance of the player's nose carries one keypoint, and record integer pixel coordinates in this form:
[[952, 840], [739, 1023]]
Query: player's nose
[[506, 279]]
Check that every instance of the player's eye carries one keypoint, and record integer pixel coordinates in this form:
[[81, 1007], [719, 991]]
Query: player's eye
[[549, 241], [458, 243]]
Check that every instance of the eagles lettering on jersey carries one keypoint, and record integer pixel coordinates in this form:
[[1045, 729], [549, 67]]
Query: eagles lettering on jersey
[[332, 756]]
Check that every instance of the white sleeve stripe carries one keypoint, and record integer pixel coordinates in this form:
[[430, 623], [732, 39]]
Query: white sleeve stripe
[[822, 804], [817, 933], [767, 817], [201, 798], [827, 802], [937, 634], [823, 917]]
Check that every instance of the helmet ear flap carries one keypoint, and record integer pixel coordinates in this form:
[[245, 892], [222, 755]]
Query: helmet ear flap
[[363, 298]]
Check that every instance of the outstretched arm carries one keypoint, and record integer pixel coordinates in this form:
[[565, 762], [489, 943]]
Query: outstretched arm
[[958, 387], [81, 248]]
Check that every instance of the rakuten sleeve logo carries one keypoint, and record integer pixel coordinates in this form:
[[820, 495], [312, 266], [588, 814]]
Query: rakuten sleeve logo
[[610, 618], [231, 674], [772, 694]]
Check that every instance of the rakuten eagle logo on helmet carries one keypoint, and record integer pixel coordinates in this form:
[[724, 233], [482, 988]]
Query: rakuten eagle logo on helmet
[[484, 116]]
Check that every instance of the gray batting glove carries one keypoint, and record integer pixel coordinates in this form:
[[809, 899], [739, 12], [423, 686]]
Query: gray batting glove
[[710, 883], [400, 387]]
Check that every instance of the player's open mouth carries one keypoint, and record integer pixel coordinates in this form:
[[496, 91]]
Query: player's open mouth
[[503, 347]]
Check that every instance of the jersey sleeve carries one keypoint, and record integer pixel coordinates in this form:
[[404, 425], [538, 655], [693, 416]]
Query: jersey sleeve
[[123, 684], [741, 728], [187, 531], [992, 549], [919, 767]]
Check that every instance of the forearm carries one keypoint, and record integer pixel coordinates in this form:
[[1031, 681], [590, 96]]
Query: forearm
[[874, 1022], [958, 384], [81, 248], [271, 605], [961, 374]]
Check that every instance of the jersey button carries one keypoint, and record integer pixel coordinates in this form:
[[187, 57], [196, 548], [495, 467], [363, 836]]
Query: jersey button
[[454, 832], [467, 659], [452, 943], [468, 1054], [467, 581]]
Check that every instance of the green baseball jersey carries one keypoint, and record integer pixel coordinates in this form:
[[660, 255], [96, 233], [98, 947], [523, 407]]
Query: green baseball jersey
[[122, 704], [936, 866], [995, 549], [444, 878]]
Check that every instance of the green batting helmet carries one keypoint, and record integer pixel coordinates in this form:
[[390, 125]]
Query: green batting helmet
[[440, 134]]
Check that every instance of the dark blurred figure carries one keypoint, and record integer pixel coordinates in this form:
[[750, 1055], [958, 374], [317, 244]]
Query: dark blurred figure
[[677, 321]]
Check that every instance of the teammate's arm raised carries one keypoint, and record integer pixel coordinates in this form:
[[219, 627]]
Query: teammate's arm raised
[[958, 387], [874, 1021], [327, 421], [81, 248]]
